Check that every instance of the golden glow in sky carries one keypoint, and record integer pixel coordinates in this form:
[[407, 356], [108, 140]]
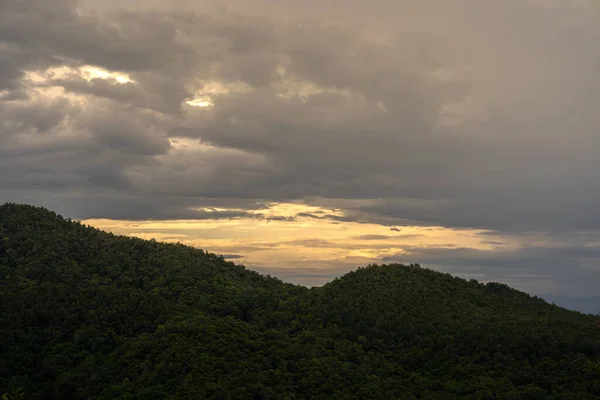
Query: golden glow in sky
[[269, 239]]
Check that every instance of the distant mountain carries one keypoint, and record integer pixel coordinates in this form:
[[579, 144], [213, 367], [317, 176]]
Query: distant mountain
[[586, 305], [86, 314]]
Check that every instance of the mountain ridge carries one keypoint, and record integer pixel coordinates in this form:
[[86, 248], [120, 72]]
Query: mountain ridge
[[89, 314], [584, 304]]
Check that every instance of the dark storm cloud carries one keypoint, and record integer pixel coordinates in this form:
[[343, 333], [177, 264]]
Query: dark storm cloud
[[513, 212], [78, 205], [52, 32], [171, 213], [164, 53]]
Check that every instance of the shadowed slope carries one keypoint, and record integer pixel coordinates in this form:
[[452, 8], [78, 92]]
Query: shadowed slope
[[87, 314]]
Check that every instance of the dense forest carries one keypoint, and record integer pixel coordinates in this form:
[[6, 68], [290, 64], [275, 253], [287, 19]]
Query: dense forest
[[86, 314]]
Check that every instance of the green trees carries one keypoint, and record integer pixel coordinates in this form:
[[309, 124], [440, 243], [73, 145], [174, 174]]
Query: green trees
[[87, 314]]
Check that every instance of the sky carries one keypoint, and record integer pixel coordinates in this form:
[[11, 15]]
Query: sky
[[305, 139]]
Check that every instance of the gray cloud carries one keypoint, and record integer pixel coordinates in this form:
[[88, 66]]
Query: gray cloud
[[574, 270], [373, 237], [493, 242], [313, 242], [309, 276], [485, 118]]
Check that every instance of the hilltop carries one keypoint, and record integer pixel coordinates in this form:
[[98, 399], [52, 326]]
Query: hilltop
[[86, 314], [586, 305]]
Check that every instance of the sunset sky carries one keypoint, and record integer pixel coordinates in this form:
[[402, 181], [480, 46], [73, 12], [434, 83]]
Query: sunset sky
[[307, 138]]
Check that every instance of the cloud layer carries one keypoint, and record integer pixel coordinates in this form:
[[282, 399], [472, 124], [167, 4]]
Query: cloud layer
[[481, 115]]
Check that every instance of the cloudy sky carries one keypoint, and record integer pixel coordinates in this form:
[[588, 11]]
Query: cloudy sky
[[307, 138]]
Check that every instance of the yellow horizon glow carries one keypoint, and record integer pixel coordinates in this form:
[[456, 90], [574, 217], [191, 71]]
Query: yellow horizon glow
[[304, 242]]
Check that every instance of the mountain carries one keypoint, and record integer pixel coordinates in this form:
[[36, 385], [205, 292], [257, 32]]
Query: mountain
[[586, 305], [86, 314]]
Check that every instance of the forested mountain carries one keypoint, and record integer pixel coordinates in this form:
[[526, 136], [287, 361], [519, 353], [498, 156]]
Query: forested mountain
[[86, 314]]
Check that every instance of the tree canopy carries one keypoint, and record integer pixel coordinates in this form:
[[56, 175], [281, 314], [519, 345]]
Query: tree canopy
[[86, 314]]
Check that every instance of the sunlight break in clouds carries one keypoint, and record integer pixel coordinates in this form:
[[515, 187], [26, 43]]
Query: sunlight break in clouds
[[205, 97], [87, 72], [286, 237]]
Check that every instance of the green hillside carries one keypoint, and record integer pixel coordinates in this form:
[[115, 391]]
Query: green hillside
[[86, 314]]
